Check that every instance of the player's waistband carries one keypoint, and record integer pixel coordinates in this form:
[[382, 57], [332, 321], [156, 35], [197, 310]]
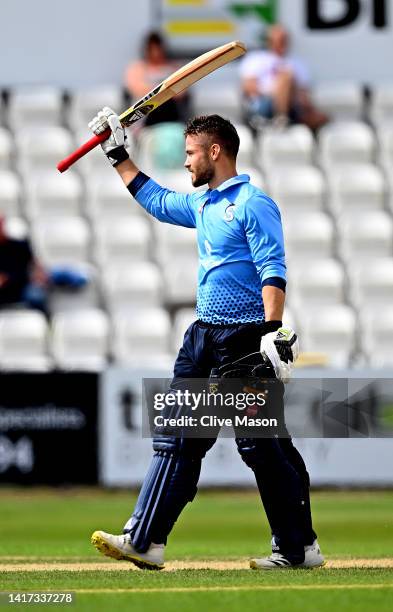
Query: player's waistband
[[255, 324]]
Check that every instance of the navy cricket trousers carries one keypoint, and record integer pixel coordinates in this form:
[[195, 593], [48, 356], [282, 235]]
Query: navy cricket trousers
[[280, 472]]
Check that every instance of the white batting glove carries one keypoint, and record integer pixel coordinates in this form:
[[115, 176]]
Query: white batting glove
[[114, 146], [281, 348]]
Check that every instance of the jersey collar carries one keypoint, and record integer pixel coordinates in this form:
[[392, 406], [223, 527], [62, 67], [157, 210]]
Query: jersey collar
[[214, 194], [240, 178]]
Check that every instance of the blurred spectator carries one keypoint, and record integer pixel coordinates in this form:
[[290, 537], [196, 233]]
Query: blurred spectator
[[155, 66], [22, 279], [276, 85]]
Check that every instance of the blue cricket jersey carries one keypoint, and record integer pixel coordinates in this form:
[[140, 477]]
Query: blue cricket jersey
[[240, 243]]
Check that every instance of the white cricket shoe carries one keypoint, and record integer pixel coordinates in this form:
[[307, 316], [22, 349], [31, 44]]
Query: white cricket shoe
[[275, 561], [312, 558], [120, 547]]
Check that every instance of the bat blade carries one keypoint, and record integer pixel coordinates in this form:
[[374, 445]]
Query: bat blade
[[170, 87]]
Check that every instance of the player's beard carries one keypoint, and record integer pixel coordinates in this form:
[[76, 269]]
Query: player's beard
[[203, 174]]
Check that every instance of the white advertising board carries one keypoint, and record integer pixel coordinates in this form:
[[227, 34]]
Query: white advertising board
[[340, 39], [124, 454]]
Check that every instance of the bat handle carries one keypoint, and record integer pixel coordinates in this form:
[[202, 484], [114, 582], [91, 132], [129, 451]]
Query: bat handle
[[65, 163]]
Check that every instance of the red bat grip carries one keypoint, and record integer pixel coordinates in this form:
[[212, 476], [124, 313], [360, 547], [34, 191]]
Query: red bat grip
[[65, 163]]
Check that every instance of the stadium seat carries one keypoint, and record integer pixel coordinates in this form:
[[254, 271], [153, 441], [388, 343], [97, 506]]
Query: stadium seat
[[340, 100], [346, 142], [385, 158], [246, 156], [51, 194], [176, 180], [132, 285], [6, 147], [377, 337], [64, 298], [289, 318], [121, 240], [141, 338], [355, 188], [41, 148], [176, 252], [223, 98], [297, 189], [16, 228], [182, 321], [308, 235], [108, 197], [371, 282], [365, 235], [316, 282], [330, 330], [153, 157], [23, 341], [180, 281], [86, 103], [95, 163], [80, 340], [256, 176], [381, 111], [293, 145], [385, 142], [35, 106], [161, 148], [173, 240], [61, 240], [10, 193]]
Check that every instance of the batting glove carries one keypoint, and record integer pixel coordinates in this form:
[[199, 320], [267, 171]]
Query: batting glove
[[114, 146], [281, 349]]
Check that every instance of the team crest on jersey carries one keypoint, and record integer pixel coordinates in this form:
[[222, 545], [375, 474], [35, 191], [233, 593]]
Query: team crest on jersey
[[229, 214]]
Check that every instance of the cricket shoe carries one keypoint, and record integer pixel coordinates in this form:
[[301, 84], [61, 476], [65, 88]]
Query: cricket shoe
[[119, 547], [274, 562], [312, 558]]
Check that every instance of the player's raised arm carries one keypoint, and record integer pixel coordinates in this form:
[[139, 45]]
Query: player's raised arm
[[164, 204]]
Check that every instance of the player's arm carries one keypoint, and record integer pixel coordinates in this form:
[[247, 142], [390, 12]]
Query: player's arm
[[262, 223], [164, 204], [273, 301], [263, 229]]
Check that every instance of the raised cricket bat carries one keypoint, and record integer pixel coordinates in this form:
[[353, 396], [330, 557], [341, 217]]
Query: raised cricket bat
[[170, 87]]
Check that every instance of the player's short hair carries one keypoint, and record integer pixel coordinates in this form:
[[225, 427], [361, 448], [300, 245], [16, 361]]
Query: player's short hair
[[221, 130]]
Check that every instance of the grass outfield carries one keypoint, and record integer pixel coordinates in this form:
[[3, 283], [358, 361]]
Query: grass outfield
[[45, 546]]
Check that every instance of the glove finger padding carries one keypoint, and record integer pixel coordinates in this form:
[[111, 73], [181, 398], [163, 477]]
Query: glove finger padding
[[287, 344], [117, 130], [281, 348], [99, 123], [114, 146]]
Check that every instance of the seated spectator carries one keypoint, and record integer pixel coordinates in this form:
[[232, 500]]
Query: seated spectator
[[155, 66], [22, 279], [276, 85]]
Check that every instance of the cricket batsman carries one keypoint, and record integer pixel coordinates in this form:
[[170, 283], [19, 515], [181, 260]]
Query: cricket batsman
[[240, 302]]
